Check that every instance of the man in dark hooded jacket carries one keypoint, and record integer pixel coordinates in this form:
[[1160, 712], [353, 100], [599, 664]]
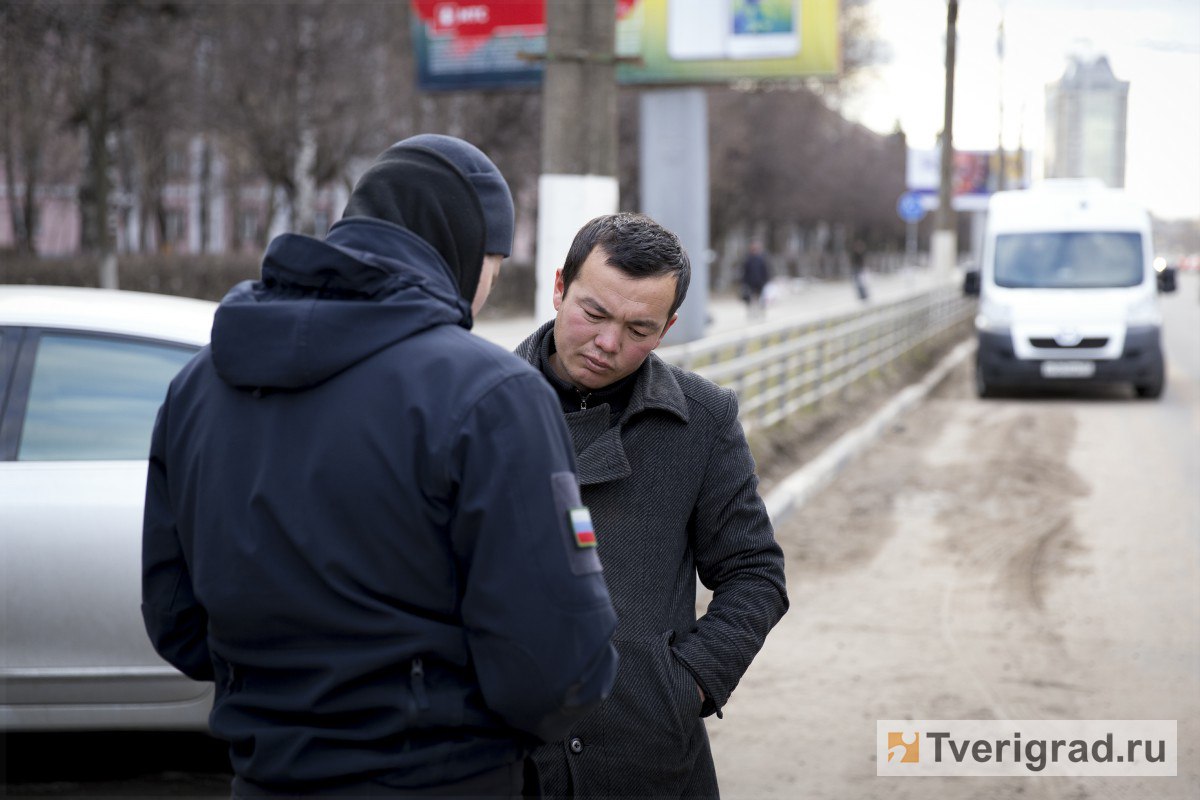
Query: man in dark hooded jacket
[[362, 522]]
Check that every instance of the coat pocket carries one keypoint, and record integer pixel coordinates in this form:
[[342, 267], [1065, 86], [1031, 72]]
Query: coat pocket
[[690, 703], [646, 736]]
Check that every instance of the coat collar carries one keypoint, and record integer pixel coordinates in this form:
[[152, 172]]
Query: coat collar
[[599, 447]]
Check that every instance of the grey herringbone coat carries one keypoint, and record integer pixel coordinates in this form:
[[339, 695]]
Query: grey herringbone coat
[[673, 494]]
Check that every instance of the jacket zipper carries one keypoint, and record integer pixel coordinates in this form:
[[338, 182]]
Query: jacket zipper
[[583, 398], [417, 676]]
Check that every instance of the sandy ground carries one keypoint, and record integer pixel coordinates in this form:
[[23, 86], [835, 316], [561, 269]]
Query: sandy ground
[[1025, 558]]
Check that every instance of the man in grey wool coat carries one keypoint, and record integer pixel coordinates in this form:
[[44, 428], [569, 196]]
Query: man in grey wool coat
[[664, 466]]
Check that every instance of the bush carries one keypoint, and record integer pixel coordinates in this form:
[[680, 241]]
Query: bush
[[209, 277]]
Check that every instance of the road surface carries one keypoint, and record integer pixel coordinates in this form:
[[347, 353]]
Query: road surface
[[1031, 557]]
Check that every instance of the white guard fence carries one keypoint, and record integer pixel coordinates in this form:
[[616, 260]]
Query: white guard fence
[[785, 367]]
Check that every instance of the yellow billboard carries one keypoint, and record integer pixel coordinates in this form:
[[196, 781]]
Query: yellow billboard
[[705, 41]]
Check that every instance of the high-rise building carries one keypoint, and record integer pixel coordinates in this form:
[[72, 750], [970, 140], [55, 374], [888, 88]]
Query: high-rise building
[[1085, 122]]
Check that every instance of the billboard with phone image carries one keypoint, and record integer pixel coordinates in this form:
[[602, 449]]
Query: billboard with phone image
[[764, 29], [738, 29]]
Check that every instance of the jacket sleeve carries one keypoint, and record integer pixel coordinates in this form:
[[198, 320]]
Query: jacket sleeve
[[175, 621], [738, 559], [538, 617]]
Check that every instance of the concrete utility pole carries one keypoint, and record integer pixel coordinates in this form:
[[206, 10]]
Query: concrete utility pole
[[1000, 154], [945, 244], [579, 89], [579, 131]]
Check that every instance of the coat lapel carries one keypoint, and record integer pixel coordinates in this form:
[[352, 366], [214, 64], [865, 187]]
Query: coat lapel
[[599, 448], [599, 452]]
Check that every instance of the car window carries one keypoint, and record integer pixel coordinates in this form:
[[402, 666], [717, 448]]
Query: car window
[[5, 365], [95, 397]]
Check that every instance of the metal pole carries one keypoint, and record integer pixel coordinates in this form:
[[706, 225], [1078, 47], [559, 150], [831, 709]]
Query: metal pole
[[945, 245], [1001, 177], [945, 214]]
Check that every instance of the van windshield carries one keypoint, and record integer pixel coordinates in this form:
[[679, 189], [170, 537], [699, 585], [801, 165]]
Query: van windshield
[[1068, 260]]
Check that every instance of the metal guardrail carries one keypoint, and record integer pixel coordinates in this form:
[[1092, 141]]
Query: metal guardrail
[[781, 369]]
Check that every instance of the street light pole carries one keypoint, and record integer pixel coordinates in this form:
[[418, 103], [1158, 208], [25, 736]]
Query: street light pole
[[945, 243], [1001, 177]]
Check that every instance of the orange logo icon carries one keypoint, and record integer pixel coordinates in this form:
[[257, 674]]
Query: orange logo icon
[[903, 747]]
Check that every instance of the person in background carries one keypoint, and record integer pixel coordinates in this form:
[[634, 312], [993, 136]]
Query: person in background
[[756, 274], [362, 522], [858, 268], [666, 471]]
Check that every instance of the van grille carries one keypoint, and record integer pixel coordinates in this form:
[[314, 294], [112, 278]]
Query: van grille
[[1084, 344]]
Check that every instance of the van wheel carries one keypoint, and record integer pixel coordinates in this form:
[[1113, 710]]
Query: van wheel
[[982, 387], [1150, 391]]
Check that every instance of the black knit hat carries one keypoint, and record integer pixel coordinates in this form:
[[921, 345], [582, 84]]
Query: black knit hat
[[489, 185], [447, 192]]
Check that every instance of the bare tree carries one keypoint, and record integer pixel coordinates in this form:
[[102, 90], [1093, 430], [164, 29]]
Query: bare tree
[[304, 88], [120, 68], [33, 84]]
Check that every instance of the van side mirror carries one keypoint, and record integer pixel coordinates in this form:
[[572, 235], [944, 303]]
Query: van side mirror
[[971, 283], [1166, 280]]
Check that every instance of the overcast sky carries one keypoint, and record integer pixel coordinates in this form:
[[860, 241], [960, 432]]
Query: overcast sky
[[1153, 44]]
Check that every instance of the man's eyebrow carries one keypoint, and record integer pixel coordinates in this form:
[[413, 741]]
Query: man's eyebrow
[[595, 306], [602, 311]]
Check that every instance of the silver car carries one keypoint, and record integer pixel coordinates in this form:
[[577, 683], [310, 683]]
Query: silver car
[[82, 374]]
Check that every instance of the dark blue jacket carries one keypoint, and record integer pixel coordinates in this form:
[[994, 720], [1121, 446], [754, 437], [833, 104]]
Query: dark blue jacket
[[357, 525]]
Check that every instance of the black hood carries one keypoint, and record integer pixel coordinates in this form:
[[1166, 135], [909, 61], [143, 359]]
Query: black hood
[[323, 306], [424, 192]]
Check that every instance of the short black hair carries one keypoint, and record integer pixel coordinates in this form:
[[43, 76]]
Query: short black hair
[[634, 244]]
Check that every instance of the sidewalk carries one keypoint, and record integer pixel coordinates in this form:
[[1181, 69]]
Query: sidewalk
[[800, 302]]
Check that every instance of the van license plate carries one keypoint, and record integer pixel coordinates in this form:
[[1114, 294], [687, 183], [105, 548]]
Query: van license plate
[[1068, 369]]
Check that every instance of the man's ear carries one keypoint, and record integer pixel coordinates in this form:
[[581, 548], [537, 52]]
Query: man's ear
[[670, 322], [559, 289]]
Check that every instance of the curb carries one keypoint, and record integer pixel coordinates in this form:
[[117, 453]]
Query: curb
[[786, 498]]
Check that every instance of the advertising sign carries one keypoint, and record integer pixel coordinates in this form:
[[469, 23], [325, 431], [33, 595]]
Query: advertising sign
[[713, 41], [974, 179], [473, 45], [498, 43]]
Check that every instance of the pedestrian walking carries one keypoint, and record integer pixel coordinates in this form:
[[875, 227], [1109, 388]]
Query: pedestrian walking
[[858, 268], [756, 274], [666, 471], [362, 521]]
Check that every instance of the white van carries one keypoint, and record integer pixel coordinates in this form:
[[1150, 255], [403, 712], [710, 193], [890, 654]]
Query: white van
[[1068, 291]]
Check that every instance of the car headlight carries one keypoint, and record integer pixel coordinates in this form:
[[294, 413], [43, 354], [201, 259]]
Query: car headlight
[[993, 317], [1144, 312]]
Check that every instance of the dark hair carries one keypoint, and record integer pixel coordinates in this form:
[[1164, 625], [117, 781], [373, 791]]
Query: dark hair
[[634, 244]]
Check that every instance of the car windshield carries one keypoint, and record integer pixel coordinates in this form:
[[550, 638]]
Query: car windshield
[[1069, 260]]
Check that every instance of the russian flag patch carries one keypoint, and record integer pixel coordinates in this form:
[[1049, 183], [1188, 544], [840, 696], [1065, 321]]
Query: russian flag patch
[[581, 524]]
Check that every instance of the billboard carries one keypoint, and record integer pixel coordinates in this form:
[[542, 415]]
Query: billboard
[[974, 179], [714, 41], [498, 43], [481, 44]]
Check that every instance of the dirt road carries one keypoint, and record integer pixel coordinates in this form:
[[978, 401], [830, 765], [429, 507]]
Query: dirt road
[[1024, 558]]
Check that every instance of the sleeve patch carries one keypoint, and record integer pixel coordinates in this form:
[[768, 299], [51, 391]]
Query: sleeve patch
[[581, 524], [578, 535]]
